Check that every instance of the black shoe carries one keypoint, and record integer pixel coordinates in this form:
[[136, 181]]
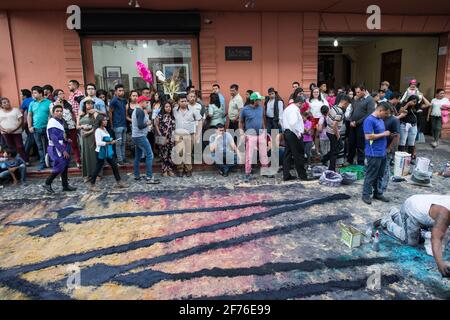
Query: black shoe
[[138, 178], [269, 176], [381, 198], [367, 200], [48, 188], [189, 174], [69, 188], [225, 174], [180, 174], [290, 178]]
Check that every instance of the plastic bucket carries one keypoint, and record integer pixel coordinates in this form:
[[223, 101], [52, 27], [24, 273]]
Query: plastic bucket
[[402, 164], [423, 164]]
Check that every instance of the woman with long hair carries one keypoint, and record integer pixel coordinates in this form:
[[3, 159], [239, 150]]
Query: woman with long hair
[[408, 125], [216, 111], [86, 124], [248, 93], [315, 103], [104, 151], [165, 127]]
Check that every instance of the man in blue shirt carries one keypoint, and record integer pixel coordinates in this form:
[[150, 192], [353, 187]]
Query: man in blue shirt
[[252, 122], [376, 143], [117, 109]]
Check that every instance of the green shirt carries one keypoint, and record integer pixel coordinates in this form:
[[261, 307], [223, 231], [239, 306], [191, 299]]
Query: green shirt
[[40, 112]]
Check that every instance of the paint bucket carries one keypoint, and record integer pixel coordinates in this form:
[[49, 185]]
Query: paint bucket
[[423, 164], [350, 236], [402, 164]]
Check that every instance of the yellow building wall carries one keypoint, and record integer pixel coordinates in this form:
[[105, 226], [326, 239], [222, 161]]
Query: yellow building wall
[[419, 61]]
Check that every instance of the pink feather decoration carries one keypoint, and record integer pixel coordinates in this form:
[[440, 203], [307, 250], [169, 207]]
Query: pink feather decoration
[[144, 72]]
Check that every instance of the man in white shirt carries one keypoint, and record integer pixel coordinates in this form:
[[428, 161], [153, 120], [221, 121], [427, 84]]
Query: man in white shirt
[[421, 211], [235, 106], [293, 126], [439, 106]]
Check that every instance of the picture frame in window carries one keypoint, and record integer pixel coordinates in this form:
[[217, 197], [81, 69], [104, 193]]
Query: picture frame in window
[[179, 72], [139, 83], [112, 72]]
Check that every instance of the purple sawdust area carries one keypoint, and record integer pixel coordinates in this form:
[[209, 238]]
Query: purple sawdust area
[[100, 273], [78, 257], [147, 278], [303, 291]]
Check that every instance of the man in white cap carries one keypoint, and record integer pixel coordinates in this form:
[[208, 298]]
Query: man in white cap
[[421, 211]]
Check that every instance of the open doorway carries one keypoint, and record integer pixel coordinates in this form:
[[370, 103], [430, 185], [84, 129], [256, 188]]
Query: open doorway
[[369, 59]]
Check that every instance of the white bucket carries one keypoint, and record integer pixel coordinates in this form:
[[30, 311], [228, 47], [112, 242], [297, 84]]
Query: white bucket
[[423, 164], [402, 164]]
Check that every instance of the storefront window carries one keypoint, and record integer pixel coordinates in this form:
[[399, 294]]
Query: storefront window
[[115, 62]]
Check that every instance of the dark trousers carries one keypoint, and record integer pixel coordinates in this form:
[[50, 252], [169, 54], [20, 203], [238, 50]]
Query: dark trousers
[[271, 124], [374, 176], [332, 155], [356, 144], [100, 163], [295, 150], [14, 141], [64, 177]]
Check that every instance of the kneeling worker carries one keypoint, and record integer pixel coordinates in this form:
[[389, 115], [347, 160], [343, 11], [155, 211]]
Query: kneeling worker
[[421, 211]]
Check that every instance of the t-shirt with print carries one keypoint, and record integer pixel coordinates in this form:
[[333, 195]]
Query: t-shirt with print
[[335, 114], [307, 137], [375, 148], [436, 105]]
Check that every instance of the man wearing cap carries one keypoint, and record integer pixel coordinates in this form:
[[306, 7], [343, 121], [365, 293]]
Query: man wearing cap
[[385, 86], [252, 122], [419, 212], [293, 135], [139, 130], [273, 111]]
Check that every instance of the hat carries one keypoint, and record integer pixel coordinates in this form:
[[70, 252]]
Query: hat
[[143, 98], [413, 81], [256, 96], [88, 100]]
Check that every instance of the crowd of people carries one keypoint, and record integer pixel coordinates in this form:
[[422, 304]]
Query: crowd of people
[[94, 127]]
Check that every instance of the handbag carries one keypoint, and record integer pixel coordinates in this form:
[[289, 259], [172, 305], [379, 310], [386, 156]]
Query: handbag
[[160, 140]]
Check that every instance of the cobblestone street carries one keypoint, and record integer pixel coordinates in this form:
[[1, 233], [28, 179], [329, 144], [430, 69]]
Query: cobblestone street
[[208, 237]]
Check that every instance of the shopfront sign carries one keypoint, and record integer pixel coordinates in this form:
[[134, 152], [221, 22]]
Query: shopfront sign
[[238, 53]]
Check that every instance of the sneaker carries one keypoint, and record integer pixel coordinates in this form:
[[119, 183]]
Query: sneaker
[[367, 200], [189, 174], [225, 174], [383, 221], [48, 188], [42, 167], [137, 178], [121, 185], [69, 188], [247, 178], [220, 172], [180, 174], [152, 180], [381, 198], [434, 144], [120, 163]]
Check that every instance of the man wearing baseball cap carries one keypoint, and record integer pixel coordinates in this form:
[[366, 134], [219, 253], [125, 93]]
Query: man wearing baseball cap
[[139, 130], [252, 122]]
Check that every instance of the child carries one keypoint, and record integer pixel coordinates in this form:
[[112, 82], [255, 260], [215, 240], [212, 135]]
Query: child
[[308, 135], [322, 128], [10, 163], [331, 98]]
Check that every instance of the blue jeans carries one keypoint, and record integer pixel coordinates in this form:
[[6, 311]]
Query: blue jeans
[[387, 174], [374, 176], [40, 137], [407, 138], [142, 146], [22, 170], [225, 163], [120, 132]]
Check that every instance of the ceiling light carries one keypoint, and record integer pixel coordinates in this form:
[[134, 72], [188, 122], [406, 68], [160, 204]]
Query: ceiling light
[[335, 43]]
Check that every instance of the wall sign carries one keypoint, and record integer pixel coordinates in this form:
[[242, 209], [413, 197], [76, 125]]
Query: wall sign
[[238, 53]]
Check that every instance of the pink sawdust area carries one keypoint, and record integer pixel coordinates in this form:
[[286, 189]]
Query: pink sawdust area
[[216, 240]]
